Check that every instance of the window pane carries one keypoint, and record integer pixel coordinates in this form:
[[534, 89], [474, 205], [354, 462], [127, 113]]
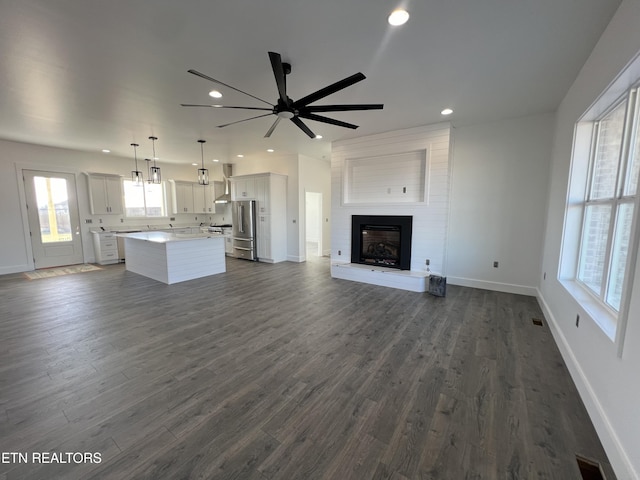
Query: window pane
[[605, 170], [621, 239], [634, 164], [53, 209], [154, 194], [133, 199], [594, 246]]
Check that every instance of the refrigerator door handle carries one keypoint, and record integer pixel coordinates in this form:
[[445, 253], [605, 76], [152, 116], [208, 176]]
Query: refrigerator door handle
[[241, 218]]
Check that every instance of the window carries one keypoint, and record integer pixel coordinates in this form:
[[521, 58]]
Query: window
[[608, 203], [147, 200]]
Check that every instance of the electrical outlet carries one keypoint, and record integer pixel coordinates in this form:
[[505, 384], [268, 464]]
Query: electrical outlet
[[99, 220], [339, 252], [427, 262], [88, 220], [544, 276], [577, 321], [495, 264], [122, 220], [172, 219]]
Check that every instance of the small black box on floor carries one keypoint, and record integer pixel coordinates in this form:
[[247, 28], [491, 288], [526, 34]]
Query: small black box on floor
[[437, 285]]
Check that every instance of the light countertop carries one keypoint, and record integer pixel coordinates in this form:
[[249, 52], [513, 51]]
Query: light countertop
[[166, 237]]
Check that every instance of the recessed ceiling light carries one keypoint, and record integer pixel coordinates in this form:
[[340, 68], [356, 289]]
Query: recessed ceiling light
[[398, 17], [194, 164], [270, 150], [105, 150], [318, 137], [446, 111], [215, 94], [240, 155], [216, 160]]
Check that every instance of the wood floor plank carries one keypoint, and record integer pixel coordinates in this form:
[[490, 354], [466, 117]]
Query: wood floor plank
[[279, 372]]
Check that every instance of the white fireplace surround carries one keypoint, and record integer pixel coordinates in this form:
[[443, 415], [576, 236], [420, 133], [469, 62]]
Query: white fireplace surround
[[405, 172]]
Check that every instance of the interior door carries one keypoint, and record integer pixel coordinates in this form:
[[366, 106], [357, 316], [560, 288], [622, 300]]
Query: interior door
[[53, 217]]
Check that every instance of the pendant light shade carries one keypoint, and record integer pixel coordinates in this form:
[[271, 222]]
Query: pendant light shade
[[136, 175], [203, 173], [154, 173]]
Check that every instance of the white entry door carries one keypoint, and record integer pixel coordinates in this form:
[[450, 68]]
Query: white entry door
[[53, 218]]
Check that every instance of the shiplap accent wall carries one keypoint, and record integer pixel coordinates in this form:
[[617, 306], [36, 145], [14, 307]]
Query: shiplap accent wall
[[399, 178], [394, 163]]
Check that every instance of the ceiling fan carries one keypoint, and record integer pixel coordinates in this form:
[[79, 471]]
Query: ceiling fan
[[298, 109]]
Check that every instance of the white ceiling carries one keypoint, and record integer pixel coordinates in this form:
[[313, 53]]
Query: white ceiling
[[93, 74]]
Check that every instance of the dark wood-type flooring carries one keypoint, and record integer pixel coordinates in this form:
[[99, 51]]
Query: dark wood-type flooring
[[281, 372]]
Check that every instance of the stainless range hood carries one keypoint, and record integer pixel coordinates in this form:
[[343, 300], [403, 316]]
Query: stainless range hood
[[227, 171]]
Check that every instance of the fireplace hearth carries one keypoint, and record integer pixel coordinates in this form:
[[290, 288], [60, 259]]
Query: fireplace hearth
[[381, 240]]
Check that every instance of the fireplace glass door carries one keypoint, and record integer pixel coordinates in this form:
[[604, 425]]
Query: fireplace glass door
[[380, 245]]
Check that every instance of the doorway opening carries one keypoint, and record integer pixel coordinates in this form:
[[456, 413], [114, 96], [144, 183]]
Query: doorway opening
[[313, 225]]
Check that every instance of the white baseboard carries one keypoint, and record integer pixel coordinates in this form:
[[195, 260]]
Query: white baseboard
[[495, 286], [294, 258], [617, 455]]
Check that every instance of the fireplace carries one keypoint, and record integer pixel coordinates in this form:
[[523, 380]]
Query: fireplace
[[381, 240]]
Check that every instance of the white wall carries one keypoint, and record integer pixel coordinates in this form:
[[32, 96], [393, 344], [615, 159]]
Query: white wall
[[609, 385], [498, 203]]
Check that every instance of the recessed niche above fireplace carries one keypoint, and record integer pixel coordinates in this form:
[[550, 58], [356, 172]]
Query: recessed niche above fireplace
[[382, 240], [397, 179]]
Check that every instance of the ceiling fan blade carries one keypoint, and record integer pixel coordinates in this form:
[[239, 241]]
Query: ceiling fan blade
[[273, 127], [303, 127], [278, 72], [225, 106], [343, 108], [207, 77], [323, 92], [239, 121], [319, 118]]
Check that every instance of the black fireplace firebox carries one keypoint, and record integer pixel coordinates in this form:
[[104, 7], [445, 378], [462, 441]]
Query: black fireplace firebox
[[381, 240]]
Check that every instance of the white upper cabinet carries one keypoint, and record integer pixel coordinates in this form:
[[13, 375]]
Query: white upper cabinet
[[203, 198], [243, 187], [191, 197], [182, 197], [105, 194]]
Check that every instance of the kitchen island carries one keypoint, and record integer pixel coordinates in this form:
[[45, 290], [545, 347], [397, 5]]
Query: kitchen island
[[172, 258]]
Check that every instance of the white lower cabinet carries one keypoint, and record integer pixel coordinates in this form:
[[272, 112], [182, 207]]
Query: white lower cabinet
[[105, 245]]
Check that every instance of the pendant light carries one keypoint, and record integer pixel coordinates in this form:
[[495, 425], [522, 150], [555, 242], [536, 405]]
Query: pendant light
[[203, 173], [136, 175], [154, 176]]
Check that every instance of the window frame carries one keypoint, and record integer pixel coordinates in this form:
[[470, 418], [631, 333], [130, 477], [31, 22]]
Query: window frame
[[580, 197]]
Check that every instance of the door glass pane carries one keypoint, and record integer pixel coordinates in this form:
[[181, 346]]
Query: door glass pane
[[621, 239], [53, 209], [605, 170], [594, 246]]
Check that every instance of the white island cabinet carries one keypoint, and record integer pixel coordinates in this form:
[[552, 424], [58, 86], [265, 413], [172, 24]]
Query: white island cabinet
[[172, 258]]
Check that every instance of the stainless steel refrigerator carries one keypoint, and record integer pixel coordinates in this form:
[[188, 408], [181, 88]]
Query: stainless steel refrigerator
[[244, 229]]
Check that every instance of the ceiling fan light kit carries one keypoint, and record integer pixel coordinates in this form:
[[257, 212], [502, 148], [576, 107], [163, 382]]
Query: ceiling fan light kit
[[296, 110]]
